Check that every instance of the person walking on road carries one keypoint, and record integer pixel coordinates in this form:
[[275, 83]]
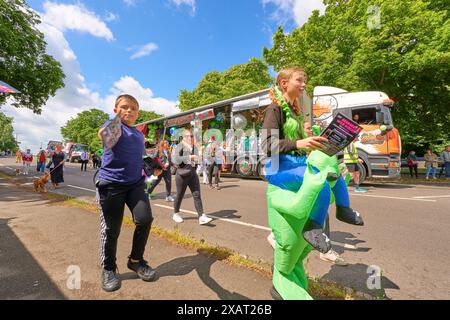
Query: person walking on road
[[27, 159], [185, 156], [56, 166], [165, 158], [119, 182], [431, 163], [351, 160], [19, 156], [215, 162], [412, 163], [84, 158], [41, 161]]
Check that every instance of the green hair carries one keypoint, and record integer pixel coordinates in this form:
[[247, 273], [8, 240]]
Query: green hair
[[293, 127]]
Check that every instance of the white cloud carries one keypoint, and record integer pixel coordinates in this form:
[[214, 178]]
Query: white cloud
[[130, 3], [144, 50], [75, 17], [296, 10], [111, 16], [189, 3], [34, 130], [145, 96]]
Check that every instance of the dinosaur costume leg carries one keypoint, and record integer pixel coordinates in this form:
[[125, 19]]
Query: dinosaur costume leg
[[288, 213]]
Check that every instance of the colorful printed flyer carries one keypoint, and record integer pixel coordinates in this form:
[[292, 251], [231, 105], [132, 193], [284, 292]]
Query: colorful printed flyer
[[340, 133], [112, 132]]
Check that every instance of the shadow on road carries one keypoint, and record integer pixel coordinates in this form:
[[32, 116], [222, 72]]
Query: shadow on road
[[200, 263], [361, 277], [343, 238], [229, 214], [21, 276]]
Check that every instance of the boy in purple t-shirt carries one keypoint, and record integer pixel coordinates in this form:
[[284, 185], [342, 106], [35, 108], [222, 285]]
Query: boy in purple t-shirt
[[120, 182]]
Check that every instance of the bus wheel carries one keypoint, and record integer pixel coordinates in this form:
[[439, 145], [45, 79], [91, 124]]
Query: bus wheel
[[261, 170], [244, 168]]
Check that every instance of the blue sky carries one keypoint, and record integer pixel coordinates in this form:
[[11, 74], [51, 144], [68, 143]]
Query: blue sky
[[149, 48]]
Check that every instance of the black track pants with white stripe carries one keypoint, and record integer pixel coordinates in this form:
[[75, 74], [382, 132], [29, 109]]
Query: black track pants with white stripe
[[112, 199]]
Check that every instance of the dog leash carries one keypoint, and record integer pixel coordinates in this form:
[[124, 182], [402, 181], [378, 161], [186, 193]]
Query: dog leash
[[56, 167]]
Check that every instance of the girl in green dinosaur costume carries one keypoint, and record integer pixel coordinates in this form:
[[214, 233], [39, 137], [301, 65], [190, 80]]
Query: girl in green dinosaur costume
[[298, 194]]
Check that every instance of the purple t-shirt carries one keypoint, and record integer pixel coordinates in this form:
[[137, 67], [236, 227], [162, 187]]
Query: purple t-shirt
[[123, 163]]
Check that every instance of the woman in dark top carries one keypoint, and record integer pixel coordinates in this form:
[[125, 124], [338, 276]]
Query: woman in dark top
[[163, 154], [57, 167], [185, 156]]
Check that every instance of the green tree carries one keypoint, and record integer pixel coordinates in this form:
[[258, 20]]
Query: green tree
[[403, 51], [147, 116], [23, 61], [84, 127], [7, 140], [216, 86]]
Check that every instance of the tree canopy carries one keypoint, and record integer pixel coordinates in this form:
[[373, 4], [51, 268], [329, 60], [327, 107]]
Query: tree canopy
[[216, 86], [84, 128], [147, 116], [7, 140], [23, 61], [398, 47]]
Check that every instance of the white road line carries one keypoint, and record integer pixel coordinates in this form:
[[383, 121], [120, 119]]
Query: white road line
[[386, 197], [446, 196], [80, 188], [195, 213], [10, 168], [218, 218]]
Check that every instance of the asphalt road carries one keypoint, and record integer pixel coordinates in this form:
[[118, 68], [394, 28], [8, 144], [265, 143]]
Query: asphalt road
[[405, 236]]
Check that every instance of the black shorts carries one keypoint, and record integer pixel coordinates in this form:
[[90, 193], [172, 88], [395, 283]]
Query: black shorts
[[352, 167]]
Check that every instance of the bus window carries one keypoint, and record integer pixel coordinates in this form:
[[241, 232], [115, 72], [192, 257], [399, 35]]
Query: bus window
[[365, 116]]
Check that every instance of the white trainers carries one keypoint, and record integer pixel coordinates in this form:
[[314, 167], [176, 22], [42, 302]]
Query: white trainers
[[333, 257], [177, 218], [271, 239], [204, 219], [170, 199]]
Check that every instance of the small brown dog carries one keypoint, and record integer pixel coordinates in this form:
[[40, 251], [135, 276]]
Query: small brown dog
[[40, 182], [17, 172]]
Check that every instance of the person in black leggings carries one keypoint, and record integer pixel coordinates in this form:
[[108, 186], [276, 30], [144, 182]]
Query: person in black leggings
[[164, 157], [185, 158]]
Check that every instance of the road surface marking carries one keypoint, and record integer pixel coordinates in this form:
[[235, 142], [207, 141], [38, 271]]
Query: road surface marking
[[10, 168], [386, 197], [195, 213], [218, 218], [447, 196], [80, 188]]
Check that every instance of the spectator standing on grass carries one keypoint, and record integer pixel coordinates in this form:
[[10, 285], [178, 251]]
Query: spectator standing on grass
[[431, 163], [412, 163], [445, 155]]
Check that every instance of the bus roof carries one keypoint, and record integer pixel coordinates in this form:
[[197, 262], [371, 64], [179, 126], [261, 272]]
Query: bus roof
[[211, 105]]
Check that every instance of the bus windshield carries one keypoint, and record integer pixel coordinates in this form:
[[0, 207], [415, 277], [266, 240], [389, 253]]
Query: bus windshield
[[372, 115]]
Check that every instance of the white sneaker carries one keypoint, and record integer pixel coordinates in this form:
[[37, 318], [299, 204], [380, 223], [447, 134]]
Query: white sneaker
[[177, 218], [204, 219], [333, 257], [271, 239], [170, 199]]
